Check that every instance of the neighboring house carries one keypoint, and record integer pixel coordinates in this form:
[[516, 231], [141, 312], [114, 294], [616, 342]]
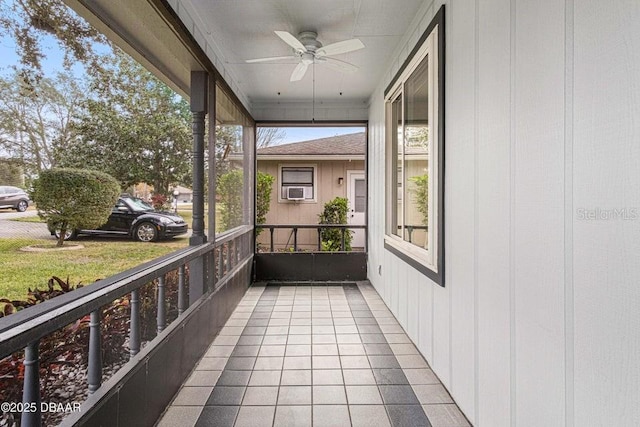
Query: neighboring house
[[185, 195], [307, 175]]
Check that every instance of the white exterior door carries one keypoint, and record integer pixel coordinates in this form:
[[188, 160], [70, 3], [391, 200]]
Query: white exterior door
[[357, 195]]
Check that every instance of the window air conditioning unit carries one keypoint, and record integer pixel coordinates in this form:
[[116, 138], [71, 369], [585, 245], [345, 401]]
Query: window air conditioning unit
[[295, 193]]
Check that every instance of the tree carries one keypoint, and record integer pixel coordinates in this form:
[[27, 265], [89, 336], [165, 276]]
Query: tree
[[421, 193], [263, 197], [266, 137], [69, 199], [335, 212], [29, 21], [135, 128], [34, 119], [229, 191]]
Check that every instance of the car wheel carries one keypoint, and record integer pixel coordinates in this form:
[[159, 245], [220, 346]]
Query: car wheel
[[146, 232], [22, 206], [68, 235]]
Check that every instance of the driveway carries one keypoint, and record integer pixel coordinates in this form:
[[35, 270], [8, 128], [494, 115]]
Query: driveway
[[26, 230]]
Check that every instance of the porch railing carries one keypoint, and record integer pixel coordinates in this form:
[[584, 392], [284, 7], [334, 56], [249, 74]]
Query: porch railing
[[344, 228], [25, 329]]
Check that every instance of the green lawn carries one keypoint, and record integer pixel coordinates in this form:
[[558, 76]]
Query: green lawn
[[100, 258], [28, 219]]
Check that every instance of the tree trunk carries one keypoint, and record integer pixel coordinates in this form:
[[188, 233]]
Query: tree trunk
[[63, 232]]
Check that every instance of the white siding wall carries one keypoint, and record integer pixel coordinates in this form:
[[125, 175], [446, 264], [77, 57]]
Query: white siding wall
[[539, 322]]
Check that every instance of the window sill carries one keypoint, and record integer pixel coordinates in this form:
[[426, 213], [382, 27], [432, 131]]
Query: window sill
[[412, 256]]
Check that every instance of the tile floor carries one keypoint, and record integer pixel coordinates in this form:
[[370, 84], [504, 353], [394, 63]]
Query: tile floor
[[322, 355]]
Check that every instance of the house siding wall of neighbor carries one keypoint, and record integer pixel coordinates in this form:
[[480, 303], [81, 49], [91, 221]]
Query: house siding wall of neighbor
[[537, 324], [287, 212]]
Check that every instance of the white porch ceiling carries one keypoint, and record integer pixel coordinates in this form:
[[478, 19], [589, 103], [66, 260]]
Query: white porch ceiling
[[244, 29]]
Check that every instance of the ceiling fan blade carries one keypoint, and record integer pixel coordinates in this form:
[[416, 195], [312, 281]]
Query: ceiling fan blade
[[273, 58], [291, 40], [298, 72], [338, 65], [340, 47]]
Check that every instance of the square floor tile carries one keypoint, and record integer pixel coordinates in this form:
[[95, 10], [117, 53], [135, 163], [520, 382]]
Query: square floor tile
[[192, 396], [326, 362], [234, 378], [392, 329], [293, 416], [211, 364], [323, 321], [240, 363], [366, 321], [351, 349], [299, 322], [346, 329], [265, 378], [344, 321], [278, 322], [219, 351], [271, 351], [348, 339], [378, 349], [219, 416], [294, 395], [363, 395], [222, 395], [297, 362], [203, 378], [254, 330], [369, 329], [354, 362], [398, 395], [407, 415], [373, 338], [329, 395], [296, 377], [299, 330], [445, 416], [250, 340], [369, 416], [325, 350], [231, 330], [226, 340], [327, 377], [299, 339], [258, 322], [411, 361], [260, 396], [404, 349], [277, 330], [255, 416], [298, 350], [246, 351], [331, 416], [358, 377], [388, 362], [421, 376], [180, 416], [323, 339], [397, 338], [431, 393], [268, 363], [390, 376], [281, 315], [274, 340]]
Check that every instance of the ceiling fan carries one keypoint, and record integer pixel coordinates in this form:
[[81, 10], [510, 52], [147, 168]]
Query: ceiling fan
[[308, 50]]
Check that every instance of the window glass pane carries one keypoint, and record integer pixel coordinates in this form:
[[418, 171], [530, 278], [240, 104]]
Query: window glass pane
[[396, 175], [360, 195], [297, 176], [416, 156]]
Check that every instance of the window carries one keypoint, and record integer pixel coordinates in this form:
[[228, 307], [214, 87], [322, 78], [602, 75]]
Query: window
[[297, 183], [415, 156]]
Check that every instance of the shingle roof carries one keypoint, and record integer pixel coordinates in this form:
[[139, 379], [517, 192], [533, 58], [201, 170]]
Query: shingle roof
[[350, 144]]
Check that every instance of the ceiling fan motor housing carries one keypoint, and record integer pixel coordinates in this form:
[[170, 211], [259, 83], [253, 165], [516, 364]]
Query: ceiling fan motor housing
[[309, 40]]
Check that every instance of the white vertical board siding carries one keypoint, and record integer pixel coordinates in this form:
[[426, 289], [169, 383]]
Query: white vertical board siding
[[539, 322], [493, 214], [539, 212], [606, 252], [460, 134]]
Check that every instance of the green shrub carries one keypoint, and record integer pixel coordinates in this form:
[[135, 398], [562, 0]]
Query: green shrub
[[263, 198], [229, 191], [422, 195], [335, 212], [69, 199]]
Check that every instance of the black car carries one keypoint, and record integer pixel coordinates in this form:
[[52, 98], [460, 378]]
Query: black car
[[14, 198], [134, 218]]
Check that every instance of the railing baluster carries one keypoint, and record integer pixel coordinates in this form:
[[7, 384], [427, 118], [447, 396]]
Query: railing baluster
[[94, 371], [319, 239], [134, 324], [228, 257], [161, 319], [181, 293], [342, 243], [295, 239], [31, 387], [271, 233], [220, 263]]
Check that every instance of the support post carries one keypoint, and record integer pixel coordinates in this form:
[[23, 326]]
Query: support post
[[94, 370], [295, 239], [161, 319], [134, 324], [199, 105], [31, 387]]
